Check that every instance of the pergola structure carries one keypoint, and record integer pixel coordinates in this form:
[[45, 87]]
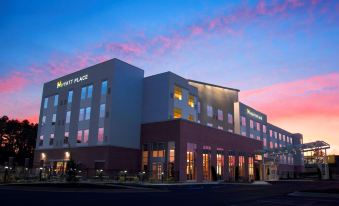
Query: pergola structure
[[316, 154]]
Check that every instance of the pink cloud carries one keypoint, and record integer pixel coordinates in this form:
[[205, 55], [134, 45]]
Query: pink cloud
[[15, 82]]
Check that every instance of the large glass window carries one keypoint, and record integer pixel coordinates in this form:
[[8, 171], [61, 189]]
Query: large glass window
[[88, 113], [206, 162], [243, 121], [145, 154], [56, 100], [104, 87], [158, 150], [251, 124], [102, 110], [101, 135], [258, 126], [83, 93], [89, 91], [171, 159], [68, 117], [220, 163], [82, 136], [86, 133], [250, 168], [70, 97], [231, 166], [177, 113], [190, 160], [209, 111], [264, 128], [45, 103], [220, 115], [241, 166], [81, 114], [79, 136], [191, 101], [177, 93]]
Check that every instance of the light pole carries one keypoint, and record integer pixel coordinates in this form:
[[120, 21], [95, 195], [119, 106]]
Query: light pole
[[6, 173]]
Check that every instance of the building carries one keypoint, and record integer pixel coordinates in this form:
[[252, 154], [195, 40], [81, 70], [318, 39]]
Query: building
[[110, 118]]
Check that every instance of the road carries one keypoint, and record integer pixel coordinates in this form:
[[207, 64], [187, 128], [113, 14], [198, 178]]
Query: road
[[222, 194]]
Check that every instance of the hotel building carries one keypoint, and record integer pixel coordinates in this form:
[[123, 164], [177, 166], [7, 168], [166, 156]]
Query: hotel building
[[111, 118]]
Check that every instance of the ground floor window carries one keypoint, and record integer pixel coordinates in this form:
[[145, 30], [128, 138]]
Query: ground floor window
[[171, 159], [220, 162], [157, 170], [145, 157], [250, 168], [190, 161], [241, 166], [231, 166], [206, 162]]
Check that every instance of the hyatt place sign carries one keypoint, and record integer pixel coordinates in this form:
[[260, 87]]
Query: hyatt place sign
[[253, 114], [72, 81]]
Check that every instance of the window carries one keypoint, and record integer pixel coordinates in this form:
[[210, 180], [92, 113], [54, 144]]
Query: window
[[271, 133], [177, 93], [220, 127], [243, 121], [199, 107], [230, 130], [206, 162], [258, 137], [279, 136], [56, 100], [70, 97], [104, 87], [209, 124], [83, 93], [171, 159], [220, 115], [275, 145], [271, 145], [51, 139], [191, 101], [79, 136], [158, 150], [243, 133], [88, 113], [144, 158], [43, 120], [258, 126], [251, 168], [53, 119], [102, 110], [101, 135], [41, 140], [209, 111], [264, 142], [190, 160], [220, 162], [251, 136], [284, 138], [89, 91], [86, 132], [230, 118], [68, 117], [66, 137], [264, 128], [275, 135], [251, 124], [190, 117], [177, 113], [241, 166], [231, 166], [81, 114], [45, 103]]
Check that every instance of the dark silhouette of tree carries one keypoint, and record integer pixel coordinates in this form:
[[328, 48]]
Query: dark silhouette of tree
[[17, 139]]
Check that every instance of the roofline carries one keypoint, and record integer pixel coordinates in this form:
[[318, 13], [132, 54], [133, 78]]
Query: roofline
[[213, 85]]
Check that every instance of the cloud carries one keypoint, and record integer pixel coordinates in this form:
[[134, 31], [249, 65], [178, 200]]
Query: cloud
[[15, 82]]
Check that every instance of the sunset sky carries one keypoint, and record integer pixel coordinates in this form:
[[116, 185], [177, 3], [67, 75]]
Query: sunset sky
[[282, 55]]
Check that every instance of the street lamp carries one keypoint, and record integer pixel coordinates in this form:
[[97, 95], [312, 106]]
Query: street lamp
[[40, 174], [6, 173]]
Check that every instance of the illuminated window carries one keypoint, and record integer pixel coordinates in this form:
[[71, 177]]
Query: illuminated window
[[279, 136], [88, 113], [251, 124], [230, 130], [251, 168], [104, 87], [243, 133], [220, 162], [85, 139], [251, 136], [284, 138], [271, 145], [220, 127], [158, 150], [209, 124], [209, 111], [271, 133], [45, 103], [230, 118], [264, 142], [171, 159], [276, 145], [56, 99], [68, 117], [43, 120], [41, 140], [190, 117], [258, 126], [51, 139], [241, 166], [81, 114], [177, 113], [243, 121], [70, 96], [144, 158], [231, 166], [206, 162], [190, 161], [220, 115], [258, 138], [191, 101], [66, 137], [276, 135], [79, 136], [177, 93], [102, 110], [101, 135]]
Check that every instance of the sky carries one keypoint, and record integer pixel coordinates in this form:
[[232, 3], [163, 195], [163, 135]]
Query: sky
[[282, 55]]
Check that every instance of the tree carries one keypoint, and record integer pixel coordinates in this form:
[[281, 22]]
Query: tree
[[17, 139]]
